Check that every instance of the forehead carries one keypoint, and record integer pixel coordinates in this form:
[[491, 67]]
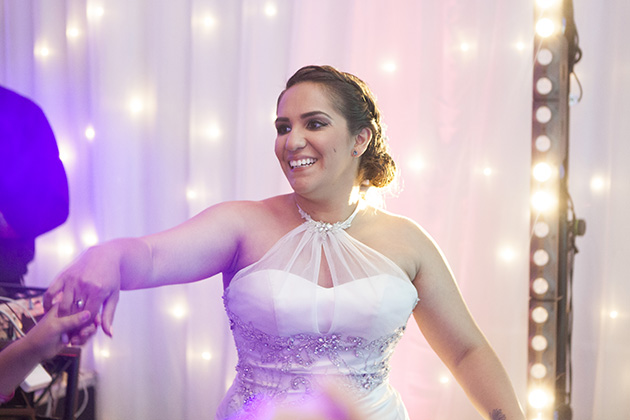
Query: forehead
[[305, 97]]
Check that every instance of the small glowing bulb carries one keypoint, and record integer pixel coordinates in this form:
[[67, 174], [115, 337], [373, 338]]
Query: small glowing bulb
[[541, 229], [540, 315], [487, 171], [545, 27], [543, 114], [538, 370], [136, 105], [89, 238], [66, 153], [598, 183], [545, 4], [72, 32], [539, 398], [464, 46], [544, 57], [42, 51], [542, 172], [540, 286], [209, 21], [179, 311], [271, 10], [95, 11], [65, 249], [544, 86], [520, 46], [543, 143], [206, 355], [104, 353], [542, 201], [416, 164], [213, 132], [191, 194], [613, 314], [389, 66], [539, 343], [541, 257], [444, 379], [90, 133], [507, 254]]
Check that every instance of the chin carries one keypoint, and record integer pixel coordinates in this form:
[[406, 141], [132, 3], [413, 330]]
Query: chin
[[301, 188]]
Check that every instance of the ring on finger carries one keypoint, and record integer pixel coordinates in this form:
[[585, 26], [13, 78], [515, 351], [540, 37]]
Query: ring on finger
[[80, 303]]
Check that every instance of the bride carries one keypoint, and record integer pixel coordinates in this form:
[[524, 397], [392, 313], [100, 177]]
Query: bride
[[319, 284]]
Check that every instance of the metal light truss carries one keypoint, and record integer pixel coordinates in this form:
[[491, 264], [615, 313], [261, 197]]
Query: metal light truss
[[547, 353]]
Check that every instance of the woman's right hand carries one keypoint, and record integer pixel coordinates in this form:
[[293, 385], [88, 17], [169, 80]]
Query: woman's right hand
[[194, 250], [90, 283]]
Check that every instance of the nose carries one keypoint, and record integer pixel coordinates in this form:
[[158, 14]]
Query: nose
[[295, 140]]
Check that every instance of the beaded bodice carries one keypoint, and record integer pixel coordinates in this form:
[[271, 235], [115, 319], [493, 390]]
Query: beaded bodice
[[293, 335]]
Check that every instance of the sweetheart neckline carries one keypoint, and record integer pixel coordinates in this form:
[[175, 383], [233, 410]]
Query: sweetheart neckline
[[320, 287]]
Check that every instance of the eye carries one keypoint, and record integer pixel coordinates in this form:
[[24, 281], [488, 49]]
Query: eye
[[315, 124], [282, 129]]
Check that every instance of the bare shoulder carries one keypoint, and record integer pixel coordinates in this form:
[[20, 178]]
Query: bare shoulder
[[406, 230], [398, 237], [258, 225]]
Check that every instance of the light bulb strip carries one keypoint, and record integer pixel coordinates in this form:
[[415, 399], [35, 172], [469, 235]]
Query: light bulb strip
[[548, 186]]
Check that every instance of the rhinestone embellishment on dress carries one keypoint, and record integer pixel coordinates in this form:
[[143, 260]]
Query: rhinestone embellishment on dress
[[280, 356], [325, 228]]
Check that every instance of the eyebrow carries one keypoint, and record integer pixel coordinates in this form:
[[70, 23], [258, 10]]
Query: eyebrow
[[305, 116]]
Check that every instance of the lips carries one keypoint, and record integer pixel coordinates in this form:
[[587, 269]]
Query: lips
[[301, 163]]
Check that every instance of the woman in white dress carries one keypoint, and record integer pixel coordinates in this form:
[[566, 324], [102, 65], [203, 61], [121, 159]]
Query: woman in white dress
[[318, 283]]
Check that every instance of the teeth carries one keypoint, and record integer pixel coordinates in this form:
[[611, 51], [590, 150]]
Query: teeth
[[301, 162]]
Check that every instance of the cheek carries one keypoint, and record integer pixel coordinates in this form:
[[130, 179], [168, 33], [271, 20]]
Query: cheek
[[279, 148]]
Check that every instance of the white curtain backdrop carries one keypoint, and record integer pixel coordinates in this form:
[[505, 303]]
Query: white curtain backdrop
[[162, 108]]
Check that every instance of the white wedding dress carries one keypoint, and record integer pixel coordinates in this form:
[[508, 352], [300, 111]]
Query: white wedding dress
[[294, 336]]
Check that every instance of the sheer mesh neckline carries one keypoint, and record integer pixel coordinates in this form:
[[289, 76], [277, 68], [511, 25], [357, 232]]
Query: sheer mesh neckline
[[322, 253], [325, 227]]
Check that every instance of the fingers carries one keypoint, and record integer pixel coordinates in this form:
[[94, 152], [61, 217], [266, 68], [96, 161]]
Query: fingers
[[92, 302], [77, 303], [82, 336], [67, 301], [72, 322], [109, 307], [75, 296], [89, 284], [77, 328], [53, 291]]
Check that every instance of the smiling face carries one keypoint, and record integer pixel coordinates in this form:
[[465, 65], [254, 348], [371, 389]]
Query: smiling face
[[313, 145]]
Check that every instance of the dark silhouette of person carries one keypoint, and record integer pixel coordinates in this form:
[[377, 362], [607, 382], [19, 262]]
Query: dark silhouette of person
[[33, 183]]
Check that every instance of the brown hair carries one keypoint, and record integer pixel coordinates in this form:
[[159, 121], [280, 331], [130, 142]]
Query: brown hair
[[354, 100]]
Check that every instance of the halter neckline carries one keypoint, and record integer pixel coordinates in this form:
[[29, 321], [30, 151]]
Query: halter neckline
[[325, 227]]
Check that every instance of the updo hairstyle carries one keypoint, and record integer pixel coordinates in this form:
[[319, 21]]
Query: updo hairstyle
[[352, 98]]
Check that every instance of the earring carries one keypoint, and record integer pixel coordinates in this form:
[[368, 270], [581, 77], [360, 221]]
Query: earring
[[355, 153]]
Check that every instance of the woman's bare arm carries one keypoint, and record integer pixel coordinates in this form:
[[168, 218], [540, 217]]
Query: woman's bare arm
[[201, 247], [448, 326]]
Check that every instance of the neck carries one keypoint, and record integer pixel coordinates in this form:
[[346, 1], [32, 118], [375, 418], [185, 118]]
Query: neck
[[331, 209]]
